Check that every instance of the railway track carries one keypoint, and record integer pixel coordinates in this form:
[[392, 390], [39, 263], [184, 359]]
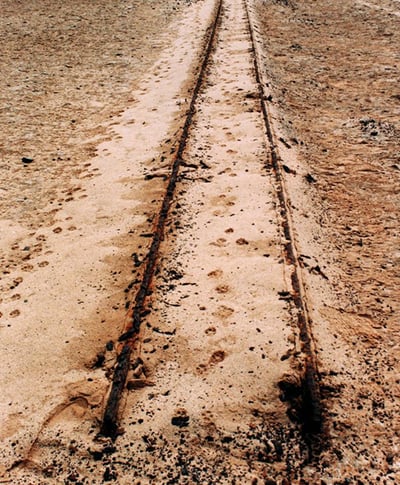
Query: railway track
[[224, 244]]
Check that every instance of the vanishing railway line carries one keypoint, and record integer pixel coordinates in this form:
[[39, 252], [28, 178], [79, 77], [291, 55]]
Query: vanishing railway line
[[109, 425], [308, 399]]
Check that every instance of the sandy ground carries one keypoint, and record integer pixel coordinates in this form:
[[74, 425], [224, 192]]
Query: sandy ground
[[95, 95], [333, 70], [70, 219]]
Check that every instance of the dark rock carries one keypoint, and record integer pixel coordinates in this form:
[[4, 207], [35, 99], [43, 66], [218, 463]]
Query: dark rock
[[310, 179], [26, 160], [288, 169], [180, 421], [100, 358]]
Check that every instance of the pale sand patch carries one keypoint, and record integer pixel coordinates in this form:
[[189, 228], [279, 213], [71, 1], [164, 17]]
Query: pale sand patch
[[71, 298]]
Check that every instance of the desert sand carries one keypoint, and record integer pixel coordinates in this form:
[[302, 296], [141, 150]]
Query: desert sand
[[94, 97]]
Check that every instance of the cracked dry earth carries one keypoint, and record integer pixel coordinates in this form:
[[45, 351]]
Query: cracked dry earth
[[96, 93]]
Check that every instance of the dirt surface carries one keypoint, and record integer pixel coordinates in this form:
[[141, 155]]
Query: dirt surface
[[94, 96], [333, 69], [71, 219], [66, 70]]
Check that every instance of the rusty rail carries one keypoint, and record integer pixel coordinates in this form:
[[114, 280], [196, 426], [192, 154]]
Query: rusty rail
[[311, 413], [109, 425]]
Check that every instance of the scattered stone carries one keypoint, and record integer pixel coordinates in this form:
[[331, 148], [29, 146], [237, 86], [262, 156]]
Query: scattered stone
[[310, 179], [285, 295], [288, 169], [180, 421], [284, 142]]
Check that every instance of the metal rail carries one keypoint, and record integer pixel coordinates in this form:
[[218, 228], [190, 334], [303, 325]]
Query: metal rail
[[109, 425], [311, 412]]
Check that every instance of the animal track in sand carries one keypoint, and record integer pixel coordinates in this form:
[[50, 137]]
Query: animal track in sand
[[224, 200], [217, 357], [225, 170], [210, 331], [17, 296], [216, 273], [222, 289], [57, 230], [27, 267], [223, 312], [220, 242], [15, 313], [42, 264]]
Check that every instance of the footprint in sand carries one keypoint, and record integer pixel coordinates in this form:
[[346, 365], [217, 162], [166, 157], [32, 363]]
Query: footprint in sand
[[27, 267], [222, 289], [76, 409], [43, 264], [217, 273], [15, 313], [57, 230], [224, 312], [220, 242], [210, 331], [65, 415]]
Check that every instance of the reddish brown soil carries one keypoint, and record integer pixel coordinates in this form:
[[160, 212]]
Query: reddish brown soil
[[333, 68]]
